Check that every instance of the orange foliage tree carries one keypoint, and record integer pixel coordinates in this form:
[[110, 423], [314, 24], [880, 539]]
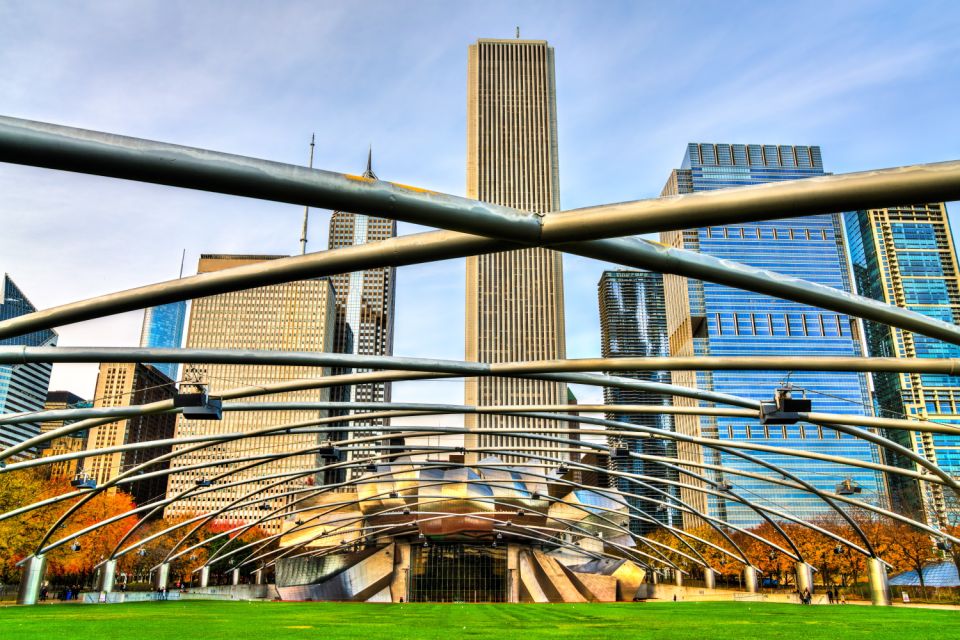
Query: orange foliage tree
[[908, 549], [20, 535]]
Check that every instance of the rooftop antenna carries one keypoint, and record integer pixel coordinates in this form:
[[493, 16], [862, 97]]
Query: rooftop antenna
[[306, 208], [518, 32], [183, 256]]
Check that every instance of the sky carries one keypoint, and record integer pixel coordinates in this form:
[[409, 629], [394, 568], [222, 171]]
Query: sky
[[875, 84]]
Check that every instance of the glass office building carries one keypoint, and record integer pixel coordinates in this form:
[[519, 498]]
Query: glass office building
[[706, 319], [23, 387], [163, 328], [633, 323], [905, 256]]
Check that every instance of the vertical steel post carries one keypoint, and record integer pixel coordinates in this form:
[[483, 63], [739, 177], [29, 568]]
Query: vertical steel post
[[31, 579], [204, 576], [879, 587], [108, 576], [161, 576], [677, 578], [709, 579], [804, 577], [236, 576], [750, 579]]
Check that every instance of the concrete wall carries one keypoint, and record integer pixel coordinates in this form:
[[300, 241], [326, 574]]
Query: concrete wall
[[690, 594], [227, 592]]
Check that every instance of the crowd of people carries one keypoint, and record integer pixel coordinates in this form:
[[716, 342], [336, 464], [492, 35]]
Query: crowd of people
[[834, 596]]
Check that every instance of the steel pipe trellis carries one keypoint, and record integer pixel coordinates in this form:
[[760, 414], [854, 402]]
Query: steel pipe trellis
[[589, 232]]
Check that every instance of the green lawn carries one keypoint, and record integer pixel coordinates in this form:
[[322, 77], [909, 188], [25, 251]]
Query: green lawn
[[329, 621]]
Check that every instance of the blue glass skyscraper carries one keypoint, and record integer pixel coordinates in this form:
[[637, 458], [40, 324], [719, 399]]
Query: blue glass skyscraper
[[905, 256], [163, 328], [633, 323], [708, 319], [23, 387]]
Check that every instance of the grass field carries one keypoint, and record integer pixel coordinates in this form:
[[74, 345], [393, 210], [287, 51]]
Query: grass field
[[282, 620]]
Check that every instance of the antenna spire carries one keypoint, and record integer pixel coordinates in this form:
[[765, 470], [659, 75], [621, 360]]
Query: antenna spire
[[183, 256], [369, 172], [306, 208], [518, 32]]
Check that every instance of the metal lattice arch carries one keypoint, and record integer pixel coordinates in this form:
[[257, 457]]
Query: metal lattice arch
[[401, 491]]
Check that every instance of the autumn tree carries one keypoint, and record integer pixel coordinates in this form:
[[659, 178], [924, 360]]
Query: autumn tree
[[20, 535], [908, 548]]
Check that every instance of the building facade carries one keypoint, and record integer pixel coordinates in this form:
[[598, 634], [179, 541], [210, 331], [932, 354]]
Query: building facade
[[123, 384], [514, 308], [294, 316], [706, 319], [905, 256], [57, 401], [364, 308], [23, 387], [163, 328], [633, 323]]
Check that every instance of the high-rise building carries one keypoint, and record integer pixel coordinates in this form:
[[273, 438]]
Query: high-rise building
[[163, 328], [706, 319], [57, 401], [364, 307], [23, 387], [122, 384], [905, 256], [633, 323], [514, 299], [294, 316]]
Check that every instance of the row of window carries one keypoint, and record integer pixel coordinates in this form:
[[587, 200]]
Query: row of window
[[766, 233], [779, 324], [801, 431], [769, 155]]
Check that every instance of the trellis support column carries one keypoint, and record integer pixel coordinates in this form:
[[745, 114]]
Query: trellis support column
[[204, 577], [31, 579], [161, 576], [108, 576], [879, 587], [709, 579], [750, 579], [804, 577]]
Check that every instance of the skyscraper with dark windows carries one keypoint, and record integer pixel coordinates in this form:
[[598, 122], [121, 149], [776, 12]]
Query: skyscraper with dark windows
[[365, 309], [706, 319], [23, 387], [905, 256], [633, 323], [163, 328]]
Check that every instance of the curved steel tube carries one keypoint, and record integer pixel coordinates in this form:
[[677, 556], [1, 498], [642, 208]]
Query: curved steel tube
[[655, 433]]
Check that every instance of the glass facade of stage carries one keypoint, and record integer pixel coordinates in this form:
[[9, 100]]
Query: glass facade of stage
[[457, 572]]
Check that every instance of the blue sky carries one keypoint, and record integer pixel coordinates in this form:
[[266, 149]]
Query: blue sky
[[875, 84]]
